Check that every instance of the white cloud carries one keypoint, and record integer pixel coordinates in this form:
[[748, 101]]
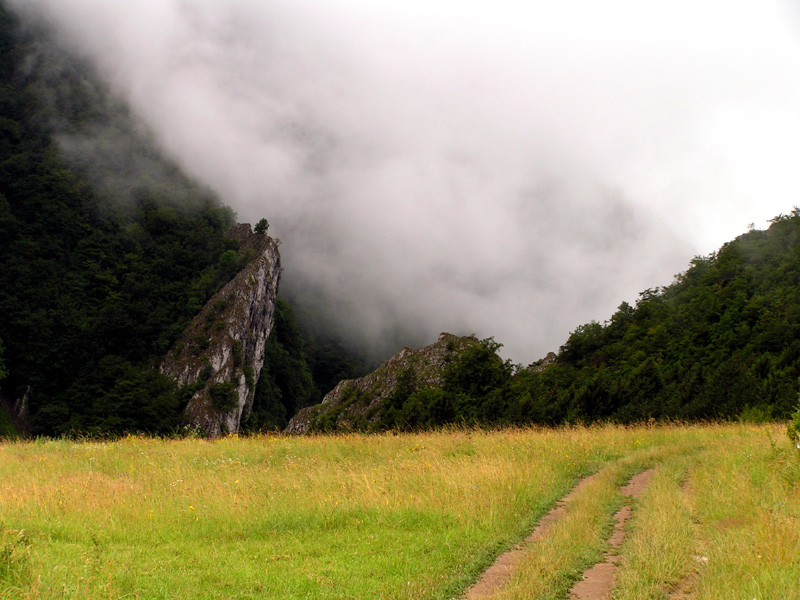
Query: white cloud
[[512, 169]]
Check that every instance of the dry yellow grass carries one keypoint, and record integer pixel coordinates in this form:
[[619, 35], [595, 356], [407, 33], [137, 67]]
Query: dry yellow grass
[[387, 516]]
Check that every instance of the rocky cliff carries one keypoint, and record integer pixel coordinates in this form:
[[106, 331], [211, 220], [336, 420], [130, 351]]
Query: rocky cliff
[[357, 403], [220, 354], [541, 365], [18, 413]]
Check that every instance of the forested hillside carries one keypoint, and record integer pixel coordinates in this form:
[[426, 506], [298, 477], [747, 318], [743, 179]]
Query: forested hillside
[[299, 369], [92, 289], [721, 342], [106, 252], [723, 339]]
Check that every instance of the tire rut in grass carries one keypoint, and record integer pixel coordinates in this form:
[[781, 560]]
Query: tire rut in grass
[[500, 572], [597, 581]]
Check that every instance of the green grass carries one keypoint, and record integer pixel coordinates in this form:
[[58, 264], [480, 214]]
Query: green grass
[[579, 540], [386, 516], [659, 552], [748, 509], [722, 524]]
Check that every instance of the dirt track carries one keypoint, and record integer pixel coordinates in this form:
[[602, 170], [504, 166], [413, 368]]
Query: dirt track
[[496, 575], [597, 581]]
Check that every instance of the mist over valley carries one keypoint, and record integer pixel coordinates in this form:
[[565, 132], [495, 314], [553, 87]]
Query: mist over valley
[[506, 171]]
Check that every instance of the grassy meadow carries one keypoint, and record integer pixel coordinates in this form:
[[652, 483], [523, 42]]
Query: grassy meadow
[[398, 516]]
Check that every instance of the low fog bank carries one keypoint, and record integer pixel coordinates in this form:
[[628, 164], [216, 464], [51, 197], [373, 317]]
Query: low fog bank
[[526, 277], [96, 132], [505, 171]]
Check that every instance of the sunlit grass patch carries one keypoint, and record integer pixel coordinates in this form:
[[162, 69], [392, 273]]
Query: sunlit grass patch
[[553, 564], [747, 498], [323, 517], [385, 516], [15, 560]]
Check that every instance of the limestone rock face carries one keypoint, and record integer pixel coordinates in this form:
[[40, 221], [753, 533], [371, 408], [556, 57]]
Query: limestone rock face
[[359, 401], [18, 411], [541, 365], [221, 352]]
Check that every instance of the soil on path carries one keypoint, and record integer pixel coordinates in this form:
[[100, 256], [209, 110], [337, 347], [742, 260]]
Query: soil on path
[[598, 581], [500, 572]]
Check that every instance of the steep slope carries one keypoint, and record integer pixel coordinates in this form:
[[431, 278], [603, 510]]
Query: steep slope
[[362, 403], [722, 339], [107, 252], [219, 357], [95, 284]]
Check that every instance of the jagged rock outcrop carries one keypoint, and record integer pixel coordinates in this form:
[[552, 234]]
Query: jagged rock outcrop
[[541, 365], [220, 354], [356, 402], [18, 411]]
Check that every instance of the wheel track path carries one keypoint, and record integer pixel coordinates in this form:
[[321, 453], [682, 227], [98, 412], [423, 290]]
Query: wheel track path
[[597, 581], [501, 570]]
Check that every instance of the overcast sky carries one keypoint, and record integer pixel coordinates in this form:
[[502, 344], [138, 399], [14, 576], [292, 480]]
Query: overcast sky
[[512, 169]]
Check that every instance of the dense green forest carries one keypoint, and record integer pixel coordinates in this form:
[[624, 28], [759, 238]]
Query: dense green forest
[[91, 292], [299, 369], [722, 341], [106, 254]]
